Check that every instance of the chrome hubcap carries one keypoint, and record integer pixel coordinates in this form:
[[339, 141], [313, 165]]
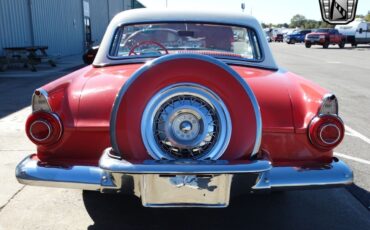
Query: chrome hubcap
[[185, 126], [186, 122]]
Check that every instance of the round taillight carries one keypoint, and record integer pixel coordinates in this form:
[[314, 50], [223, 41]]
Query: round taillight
[[40, 130], [326, 131], [329, 133], [43, 128]]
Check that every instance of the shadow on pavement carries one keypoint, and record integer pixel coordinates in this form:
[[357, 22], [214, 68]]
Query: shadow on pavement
[[317, 209], [361, 195], [16, 92]]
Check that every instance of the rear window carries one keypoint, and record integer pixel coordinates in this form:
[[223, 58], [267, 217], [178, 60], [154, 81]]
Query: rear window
[[152, 40]]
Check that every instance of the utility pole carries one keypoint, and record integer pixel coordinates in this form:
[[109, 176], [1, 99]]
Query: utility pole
[[166, 3]]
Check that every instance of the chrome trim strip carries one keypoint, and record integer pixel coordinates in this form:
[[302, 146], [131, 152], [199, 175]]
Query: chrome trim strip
[[56, 116], [169, 57], [336, 173], [30, 172], [112, 165], [227, 61]]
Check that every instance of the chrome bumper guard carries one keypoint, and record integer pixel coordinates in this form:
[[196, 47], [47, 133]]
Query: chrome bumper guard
[[182, 183]]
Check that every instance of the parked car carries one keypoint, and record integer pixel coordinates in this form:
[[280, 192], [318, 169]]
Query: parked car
[[89, 55], [324, 38], [356, 32], [279, 38], [297, 36], [268, 37], [183, 120]]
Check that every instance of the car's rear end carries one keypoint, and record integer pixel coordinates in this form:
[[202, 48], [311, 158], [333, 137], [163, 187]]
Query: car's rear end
[[200, 121], [279, 38]]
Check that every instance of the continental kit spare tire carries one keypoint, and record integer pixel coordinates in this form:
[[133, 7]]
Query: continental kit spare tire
[[185, 106]]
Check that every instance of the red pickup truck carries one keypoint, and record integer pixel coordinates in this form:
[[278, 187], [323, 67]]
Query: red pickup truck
[[325, 37]]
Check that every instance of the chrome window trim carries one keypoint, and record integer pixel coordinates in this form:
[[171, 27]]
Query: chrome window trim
[[209, 59], [250, 33], [142, 16]]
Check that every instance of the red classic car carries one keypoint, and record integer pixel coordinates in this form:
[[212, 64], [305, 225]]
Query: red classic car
[[184, 109]]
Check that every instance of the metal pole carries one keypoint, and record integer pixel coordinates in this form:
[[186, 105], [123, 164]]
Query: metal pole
[[31, 23]]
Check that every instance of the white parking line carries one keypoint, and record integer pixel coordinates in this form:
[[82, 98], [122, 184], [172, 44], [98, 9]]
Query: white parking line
[[354, 133], [352, 158]]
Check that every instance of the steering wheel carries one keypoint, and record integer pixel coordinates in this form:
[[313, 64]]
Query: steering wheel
[[132, 50]]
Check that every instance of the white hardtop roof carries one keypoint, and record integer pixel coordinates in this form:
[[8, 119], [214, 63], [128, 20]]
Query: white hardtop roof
[[175, 15], [145, 15]]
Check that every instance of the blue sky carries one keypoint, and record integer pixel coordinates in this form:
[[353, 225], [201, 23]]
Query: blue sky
[[268, 11]]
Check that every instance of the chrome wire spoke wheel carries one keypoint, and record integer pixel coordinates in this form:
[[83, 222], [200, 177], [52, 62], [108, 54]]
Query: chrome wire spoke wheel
[[186, 121]]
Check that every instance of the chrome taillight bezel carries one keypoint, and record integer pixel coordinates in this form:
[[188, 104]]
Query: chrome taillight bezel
[[52, 119], [329, 105], [315, 130], [44, 122], [40, 101]]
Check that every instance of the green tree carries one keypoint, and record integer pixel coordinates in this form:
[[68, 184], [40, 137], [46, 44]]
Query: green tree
[[367, 17], [310, 24], [325, 25], [264, 25], [298, 20]]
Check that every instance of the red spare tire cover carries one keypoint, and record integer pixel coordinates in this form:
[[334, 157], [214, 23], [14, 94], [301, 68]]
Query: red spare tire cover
[[131, 101]]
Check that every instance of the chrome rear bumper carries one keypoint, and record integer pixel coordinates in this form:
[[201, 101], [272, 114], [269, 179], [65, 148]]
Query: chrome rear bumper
[[30, 172], [183, 183], [287, 178]]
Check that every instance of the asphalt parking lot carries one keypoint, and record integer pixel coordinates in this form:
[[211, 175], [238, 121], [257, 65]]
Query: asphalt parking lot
[[344, 71]]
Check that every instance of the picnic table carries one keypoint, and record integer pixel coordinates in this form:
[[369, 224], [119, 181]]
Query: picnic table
[[29, 56]]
